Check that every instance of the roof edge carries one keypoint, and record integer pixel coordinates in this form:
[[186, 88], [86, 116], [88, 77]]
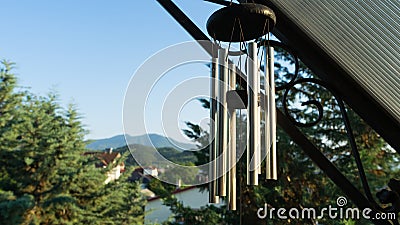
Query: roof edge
[[327, 69]]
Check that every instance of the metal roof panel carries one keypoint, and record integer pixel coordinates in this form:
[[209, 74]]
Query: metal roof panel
[[361, 36]]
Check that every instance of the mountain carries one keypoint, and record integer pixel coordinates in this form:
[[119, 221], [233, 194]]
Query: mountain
[[151, 140], [148, 156]]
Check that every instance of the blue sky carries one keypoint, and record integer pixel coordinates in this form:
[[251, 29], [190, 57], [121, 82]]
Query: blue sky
[[88, 51]]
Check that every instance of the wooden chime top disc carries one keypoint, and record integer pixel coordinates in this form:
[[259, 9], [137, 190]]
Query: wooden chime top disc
[[241, 22]]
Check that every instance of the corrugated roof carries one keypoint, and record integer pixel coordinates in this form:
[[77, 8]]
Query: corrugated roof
[[361, 36]]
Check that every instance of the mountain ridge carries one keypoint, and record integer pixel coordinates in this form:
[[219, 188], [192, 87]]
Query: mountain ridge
[[151, 140]]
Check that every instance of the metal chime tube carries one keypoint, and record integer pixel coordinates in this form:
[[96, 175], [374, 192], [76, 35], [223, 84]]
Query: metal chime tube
[[232, 145], [258, 120], [271, 162], [267, 113], [253, 123], [213, 198], [222, 120]]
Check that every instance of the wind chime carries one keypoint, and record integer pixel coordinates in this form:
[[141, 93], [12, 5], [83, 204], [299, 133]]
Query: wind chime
[[244, 24]]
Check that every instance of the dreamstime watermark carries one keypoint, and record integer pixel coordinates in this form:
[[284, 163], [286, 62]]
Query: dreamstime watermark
[[330, 212]]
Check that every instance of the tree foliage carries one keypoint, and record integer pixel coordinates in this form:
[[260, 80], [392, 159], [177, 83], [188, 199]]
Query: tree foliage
[[45, 178], [301, 183]]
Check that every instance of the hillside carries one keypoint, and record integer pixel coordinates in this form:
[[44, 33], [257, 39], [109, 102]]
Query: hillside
[[148, 157], [150, 140]]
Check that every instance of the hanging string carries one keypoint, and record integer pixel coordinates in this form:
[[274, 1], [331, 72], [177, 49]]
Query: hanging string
[[266, 24], [242, 39], [240, 48], [266, 36], [243, 63], [230, 41], [241, 30]]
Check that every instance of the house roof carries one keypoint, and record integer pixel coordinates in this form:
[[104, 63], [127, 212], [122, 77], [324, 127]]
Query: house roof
[[109, 157], [105, 157], [355, 47]]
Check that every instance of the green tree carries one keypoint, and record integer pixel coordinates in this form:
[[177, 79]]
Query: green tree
[[186, 176], [301, 184], [46, 179]]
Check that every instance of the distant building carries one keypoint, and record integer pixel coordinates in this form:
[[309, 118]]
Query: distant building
[[152, 171], [106, 158]]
